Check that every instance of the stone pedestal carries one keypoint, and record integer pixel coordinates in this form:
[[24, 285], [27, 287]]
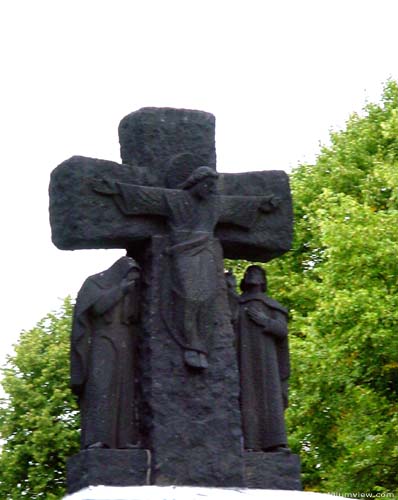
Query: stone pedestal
[[191, 493], [272, 471], [108, 467]]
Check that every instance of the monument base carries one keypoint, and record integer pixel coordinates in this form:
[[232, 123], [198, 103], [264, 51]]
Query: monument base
[[272, 471], [190, 493], [108, 467]]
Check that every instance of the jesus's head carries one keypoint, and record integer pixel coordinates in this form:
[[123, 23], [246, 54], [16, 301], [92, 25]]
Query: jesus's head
[[202, 182]]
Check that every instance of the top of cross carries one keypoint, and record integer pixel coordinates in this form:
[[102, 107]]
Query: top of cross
[[157, 138]]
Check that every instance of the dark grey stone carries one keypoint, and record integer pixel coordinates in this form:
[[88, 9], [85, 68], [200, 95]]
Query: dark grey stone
[[177, 217], [104, 347], [195, 425], [82, 218], [191, 213], [272, 471], [157, 137], [264, 366], [108, 468]]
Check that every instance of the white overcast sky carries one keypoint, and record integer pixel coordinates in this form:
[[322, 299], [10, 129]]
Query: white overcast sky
[[277, 74]]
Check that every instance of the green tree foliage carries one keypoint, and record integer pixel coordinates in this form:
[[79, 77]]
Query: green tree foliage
[[38, 420], [340, 282]]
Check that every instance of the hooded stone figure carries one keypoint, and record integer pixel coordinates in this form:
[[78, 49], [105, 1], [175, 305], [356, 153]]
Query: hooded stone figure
[[263, 364], [103, 355]]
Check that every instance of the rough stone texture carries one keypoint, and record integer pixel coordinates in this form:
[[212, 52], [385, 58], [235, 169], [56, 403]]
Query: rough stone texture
[[189, 413], [195, 420], [104, 351], [264, 364], [151, 137], [80, 218], [161, 146], [272, 471], [271, 234], [108, 467]]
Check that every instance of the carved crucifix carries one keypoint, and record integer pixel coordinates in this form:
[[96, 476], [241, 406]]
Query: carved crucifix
[[191, 214], [167, 205]]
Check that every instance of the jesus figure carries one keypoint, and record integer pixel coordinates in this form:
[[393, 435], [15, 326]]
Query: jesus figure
[[192, 212]]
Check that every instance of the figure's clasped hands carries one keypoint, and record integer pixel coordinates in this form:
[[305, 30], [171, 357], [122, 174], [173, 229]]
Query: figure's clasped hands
[[128, 285], [258, 318]]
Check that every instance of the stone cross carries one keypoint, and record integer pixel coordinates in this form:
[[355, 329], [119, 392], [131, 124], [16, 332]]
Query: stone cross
[[156, 144], [190, 419]]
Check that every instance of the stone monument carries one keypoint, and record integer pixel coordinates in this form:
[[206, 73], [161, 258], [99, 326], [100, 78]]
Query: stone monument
[[176, 217]]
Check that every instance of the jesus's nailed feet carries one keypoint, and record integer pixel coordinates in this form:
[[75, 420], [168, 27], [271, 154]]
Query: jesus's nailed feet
[[195, 359]]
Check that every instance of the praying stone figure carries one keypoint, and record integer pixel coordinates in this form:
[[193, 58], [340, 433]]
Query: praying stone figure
[[263, 363], [103, 356], [192, 212]]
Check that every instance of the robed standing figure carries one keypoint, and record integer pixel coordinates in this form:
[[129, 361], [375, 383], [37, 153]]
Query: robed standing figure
[[103, 356], [263, 364]]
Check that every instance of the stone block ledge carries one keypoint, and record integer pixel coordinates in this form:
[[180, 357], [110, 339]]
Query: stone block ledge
[[190, 493]]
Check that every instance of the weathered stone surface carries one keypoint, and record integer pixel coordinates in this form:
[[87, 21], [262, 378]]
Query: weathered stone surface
[[161, 147], [152, 137], [104, 354], [264, 364], [81, 218], [174, 215], [271, 235], [195, 420], [108, 467], [272, 471]]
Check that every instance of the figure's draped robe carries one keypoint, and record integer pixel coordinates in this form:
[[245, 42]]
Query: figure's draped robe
[[103, 362], [264, 369], [195, 257]]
